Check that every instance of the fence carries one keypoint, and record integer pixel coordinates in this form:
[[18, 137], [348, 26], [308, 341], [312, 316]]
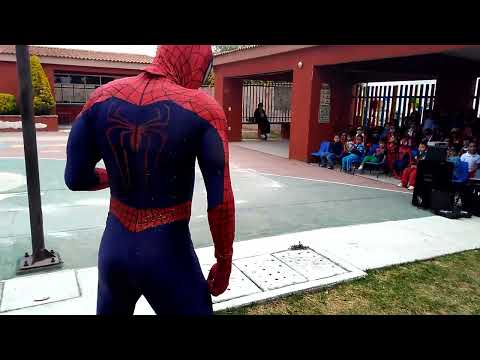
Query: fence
[[275, 96], [476, 98], [377, 103]]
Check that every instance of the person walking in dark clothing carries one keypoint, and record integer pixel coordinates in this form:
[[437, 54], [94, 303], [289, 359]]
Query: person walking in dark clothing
[[262, 121]]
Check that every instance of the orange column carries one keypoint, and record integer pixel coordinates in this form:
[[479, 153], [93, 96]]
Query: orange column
[[306, 131], [304, 82], [228, 93]]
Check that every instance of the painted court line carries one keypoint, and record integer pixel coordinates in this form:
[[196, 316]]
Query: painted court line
[[22, 158], [327, 181]]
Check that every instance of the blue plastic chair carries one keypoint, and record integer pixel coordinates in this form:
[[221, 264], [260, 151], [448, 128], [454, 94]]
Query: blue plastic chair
[[324, 147]]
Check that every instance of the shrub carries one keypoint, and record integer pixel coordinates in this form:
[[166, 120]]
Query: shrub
[[43, 100], [8, 105]]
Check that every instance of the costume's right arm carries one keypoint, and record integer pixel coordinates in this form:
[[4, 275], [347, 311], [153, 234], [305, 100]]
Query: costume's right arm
[[83, 155], [213, 162]]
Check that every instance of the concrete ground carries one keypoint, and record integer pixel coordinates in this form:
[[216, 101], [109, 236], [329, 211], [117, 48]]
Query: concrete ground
[[350, 224], [273, 147], [273, 196], [265, 268]]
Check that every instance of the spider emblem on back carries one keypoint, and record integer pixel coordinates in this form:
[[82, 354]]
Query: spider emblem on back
[[124, 136]]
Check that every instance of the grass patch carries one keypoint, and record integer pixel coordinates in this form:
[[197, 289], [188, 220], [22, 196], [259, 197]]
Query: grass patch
[[445, 285]]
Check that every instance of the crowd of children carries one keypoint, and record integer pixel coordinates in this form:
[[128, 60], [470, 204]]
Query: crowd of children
[[400, 149]]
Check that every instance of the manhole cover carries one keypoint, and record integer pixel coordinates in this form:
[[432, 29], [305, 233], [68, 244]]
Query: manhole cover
[[310, 264], [268, 272]]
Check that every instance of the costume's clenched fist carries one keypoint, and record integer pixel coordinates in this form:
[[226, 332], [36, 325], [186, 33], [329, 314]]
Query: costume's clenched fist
[[219, 276]]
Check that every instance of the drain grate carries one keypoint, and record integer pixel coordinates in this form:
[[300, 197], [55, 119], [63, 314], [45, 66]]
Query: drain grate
[[268, 272], [310, 264]]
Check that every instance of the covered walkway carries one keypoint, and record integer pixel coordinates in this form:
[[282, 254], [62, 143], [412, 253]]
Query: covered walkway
[[324, 79]]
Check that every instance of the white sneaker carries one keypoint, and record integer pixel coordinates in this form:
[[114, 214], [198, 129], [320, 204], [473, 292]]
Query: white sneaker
[[399, 184], [411, 187]]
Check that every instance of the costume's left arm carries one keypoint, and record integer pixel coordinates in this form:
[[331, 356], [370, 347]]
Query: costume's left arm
[[83, 155]]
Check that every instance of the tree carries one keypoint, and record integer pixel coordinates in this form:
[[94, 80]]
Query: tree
[[8, 105], [43, 100], [221, 48], [210, 80]]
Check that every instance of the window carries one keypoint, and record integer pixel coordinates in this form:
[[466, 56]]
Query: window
[[77, 88]]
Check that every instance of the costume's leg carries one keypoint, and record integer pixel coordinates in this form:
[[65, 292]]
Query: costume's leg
[[172, 279], [117, 295]]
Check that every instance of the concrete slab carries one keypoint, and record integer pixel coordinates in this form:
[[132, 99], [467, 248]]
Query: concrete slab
[[239, 285], [389, 243], [35, 290], [288, 290]]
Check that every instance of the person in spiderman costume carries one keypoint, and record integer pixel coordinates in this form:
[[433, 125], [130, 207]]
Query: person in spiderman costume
[[149, 130]]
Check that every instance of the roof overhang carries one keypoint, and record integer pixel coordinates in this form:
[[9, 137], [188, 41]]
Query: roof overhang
[[80, 63], [256, 52]]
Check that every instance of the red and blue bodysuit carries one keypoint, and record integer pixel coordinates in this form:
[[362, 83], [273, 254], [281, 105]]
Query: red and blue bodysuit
[[149, 130]]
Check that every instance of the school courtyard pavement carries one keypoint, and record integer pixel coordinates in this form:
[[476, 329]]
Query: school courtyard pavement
[[349, 224]]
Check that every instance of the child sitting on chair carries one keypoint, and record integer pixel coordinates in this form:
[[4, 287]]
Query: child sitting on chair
[[347, 146], [356, 152], [409, 175], [376, 158], [334, 152], [472, 158], [403, 160]]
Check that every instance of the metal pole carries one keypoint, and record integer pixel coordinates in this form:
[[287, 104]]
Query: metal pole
[[40, 255]]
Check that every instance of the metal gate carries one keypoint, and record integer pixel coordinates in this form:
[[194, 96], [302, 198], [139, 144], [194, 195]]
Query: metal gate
[[378, 103], [275, 96], [476, 98]]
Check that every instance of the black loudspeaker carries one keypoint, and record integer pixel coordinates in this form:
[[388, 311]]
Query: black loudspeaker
[[432, 175], [437, 153], [472, 198], [441, 200]]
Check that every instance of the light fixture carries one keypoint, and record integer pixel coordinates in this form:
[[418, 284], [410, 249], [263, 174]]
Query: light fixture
[[300, 64]]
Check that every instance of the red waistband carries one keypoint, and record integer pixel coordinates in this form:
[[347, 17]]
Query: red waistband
[[136, 220]]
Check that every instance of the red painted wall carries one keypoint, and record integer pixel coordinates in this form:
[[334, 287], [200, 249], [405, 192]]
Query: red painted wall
[[8, 78], [328, 55], [230, 98], [306, 132]]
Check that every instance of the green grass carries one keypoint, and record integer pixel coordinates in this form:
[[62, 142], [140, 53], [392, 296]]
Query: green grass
[[445, 285]]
